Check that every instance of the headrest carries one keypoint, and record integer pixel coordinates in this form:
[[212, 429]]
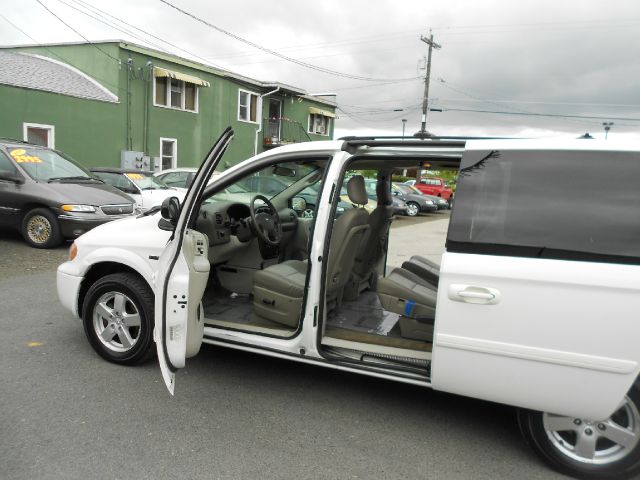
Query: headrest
[[383, 191], [356, 191]]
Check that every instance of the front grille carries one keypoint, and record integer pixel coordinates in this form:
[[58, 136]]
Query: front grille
[[117, 209]]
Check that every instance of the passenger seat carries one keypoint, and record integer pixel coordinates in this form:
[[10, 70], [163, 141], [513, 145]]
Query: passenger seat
[[424, 268], [406, 294]]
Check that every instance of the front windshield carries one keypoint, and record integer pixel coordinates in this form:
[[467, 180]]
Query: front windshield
[[406, 189], [146, 182], [48, 165], [414, 190]]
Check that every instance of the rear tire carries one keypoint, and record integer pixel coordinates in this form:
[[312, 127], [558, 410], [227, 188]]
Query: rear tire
[[608, 449], [118, 318], [40, 229]]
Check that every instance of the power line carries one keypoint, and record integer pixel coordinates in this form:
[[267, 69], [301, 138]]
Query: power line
[[533, 114], [54, 53], [99, 11], [77, 32], [280, 55]]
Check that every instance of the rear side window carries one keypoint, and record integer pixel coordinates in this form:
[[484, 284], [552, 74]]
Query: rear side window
[[572, 205]]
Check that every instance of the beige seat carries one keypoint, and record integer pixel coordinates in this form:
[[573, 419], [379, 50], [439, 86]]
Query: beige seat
[[404, 293], [374, 244], [424, 268], [278, 290]]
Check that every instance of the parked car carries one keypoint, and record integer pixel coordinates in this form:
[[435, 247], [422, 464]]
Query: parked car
[[416, 201], [178, 178], [434, 186], [49, 197], [147, 190], [529, 307]]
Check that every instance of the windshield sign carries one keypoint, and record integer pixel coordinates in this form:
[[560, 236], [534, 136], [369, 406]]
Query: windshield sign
[[47, 165]]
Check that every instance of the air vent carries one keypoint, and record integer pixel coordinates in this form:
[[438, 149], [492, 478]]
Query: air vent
[[219, 219]]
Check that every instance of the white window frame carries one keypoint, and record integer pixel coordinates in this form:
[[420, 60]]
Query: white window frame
[[258, 107], [51, 138], [313, 131], [174, 158], [168, 95]]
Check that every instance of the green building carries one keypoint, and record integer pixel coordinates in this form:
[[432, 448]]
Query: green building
[[115, 103]]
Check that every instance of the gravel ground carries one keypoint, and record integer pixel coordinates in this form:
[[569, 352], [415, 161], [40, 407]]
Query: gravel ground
[[18, 258]]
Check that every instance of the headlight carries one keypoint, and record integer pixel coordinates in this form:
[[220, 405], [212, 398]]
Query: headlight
[[73, 251], [78, 208]]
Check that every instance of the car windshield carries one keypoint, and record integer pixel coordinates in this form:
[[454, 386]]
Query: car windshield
[[146, 182], [414, 190], [406, 189], [49, 165]]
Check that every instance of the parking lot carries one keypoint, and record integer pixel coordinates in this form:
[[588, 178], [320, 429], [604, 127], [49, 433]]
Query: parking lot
[[69, 414]]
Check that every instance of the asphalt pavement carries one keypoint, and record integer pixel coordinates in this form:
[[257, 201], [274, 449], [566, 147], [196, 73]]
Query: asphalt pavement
[[68, 414]]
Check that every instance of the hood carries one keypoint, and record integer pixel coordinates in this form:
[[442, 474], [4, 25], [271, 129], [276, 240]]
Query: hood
[[151, 198], [133, 232], [84, 193]]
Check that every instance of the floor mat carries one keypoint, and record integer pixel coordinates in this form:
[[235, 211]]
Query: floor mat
[[364, 315], [234, 307]]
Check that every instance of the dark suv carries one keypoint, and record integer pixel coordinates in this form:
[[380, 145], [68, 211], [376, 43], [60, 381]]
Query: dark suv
[[49, 197]]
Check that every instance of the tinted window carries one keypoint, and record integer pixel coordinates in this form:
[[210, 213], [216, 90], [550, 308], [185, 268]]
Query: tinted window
[[552, 204]]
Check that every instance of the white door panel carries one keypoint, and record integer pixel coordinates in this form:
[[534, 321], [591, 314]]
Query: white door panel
[[562, 336], [183, 271]]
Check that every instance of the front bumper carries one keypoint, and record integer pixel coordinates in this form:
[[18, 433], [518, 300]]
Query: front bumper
[[72, 226], [68, 286], [429, 207]]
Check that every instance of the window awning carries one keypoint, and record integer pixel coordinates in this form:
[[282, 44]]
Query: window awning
[[324, 113], [163, 72]]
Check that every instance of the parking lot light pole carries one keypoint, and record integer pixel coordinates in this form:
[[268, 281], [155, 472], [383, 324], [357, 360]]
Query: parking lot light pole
[[607, 126], [404, 123]]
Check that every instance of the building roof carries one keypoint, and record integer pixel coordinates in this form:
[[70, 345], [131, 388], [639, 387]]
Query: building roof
[[41, 73]]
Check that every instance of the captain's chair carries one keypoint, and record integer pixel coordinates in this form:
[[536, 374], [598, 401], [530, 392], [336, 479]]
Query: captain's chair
[[278, 290], [374, 245]]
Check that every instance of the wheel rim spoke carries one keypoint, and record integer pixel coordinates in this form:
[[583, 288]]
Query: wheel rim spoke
[[118, 303], [557, 423], [131, 320], [104, 311], [586, 445], [108, 333], [125, 337], [618, 434]]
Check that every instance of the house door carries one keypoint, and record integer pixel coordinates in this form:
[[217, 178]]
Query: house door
[[275, 107]]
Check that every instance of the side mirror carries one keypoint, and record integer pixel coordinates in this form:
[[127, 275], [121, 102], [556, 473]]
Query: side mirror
[[299, 204], [11, 176], [170, 209]]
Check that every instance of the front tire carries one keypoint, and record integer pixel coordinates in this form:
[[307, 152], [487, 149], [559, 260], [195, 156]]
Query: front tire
[[40, 229], [117, 315], [412, 209], [607, 449]]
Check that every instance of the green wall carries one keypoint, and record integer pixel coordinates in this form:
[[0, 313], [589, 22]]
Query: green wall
[[95, 132]]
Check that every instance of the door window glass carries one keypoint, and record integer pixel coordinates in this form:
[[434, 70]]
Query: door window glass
[[550, 204]]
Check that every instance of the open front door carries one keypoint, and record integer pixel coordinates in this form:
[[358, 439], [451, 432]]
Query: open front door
[[183, 271]]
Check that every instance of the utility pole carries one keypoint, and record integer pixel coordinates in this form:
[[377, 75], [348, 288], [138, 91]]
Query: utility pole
[[423, 133]]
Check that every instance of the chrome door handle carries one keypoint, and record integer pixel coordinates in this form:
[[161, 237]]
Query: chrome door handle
[[473, 294]]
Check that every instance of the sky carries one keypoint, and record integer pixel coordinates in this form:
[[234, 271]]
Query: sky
[[526, 68]]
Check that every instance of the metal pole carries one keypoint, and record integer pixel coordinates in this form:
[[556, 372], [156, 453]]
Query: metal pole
[[404, 122]]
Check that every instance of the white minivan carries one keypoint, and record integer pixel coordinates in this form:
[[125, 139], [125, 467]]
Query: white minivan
[[530, 305]]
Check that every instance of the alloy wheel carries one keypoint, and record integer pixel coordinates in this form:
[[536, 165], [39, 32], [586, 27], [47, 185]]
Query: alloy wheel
[[116, 320], [595, 442]]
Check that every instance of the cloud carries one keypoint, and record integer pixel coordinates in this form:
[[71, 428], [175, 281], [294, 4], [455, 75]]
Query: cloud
[[546, 57]]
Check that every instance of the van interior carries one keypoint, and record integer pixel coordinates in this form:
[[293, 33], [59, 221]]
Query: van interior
[[260, 234]]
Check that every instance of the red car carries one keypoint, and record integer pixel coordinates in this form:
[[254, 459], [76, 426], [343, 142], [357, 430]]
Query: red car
[[435, 186]]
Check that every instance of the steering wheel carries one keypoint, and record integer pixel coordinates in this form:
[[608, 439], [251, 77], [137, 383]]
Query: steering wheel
[[267, 225]]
